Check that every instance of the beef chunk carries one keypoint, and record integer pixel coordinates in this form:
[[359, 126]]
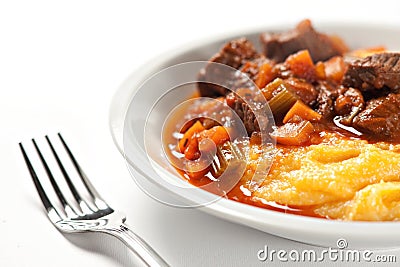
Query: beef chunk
[[327, 94], [244, 112], [374, 72], [252, 68], [279, 46], [233, 54], [348, 104], [348, 101], [338, 100], [304, 90], [236, 53], [381, 118]]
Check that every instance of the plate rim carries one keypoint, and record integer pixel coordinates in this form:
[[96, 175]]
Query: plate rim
[[132, 83]]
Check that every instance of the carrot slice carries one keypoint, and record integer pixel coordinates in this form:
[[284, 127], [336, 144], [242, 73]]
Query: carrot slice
[[320, 70], [302, 66], [265, 75], [184, 142], [302, 110], [218, 134], [335, 68], [192, 150], [189, 144], [293, 134]]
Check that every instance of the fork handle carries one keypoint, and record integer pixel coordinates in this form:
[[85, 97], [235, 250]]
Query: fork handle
[[138, 246]]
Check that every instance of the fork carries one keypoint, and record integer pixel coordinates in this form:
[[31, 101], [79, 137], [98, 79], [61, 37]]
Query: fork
[[92, 214]]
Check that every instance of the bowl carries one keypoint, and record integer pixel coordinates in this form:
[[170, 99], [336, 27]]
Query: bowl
[[138, 110]]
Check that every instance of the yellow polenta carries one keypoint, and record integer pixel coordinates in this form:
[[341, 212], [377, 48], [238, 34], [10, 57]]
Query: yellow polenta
[[339, 178]]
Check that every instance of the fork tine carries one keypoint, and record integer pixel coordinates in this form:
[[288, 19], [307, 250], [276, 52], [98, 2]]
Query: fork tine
[[46, 202], [97, 200], [43, 197], [68, 208], [71, 186]]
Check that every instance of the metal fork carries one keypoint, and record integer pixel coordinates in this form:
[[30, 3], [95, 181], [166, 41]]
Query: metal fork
[[92, 214]]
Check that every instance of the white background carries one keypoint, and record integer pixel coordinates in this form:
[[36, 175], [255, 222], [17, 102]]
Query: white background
[[61, 62]]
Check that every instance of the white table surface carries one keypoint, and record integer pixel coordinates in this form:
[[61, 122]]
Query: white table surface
[[60, 64]]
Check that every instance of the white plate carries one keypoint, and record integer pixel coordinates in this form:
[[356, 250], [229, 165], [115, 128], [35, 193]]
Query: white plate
[[303, 229]]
